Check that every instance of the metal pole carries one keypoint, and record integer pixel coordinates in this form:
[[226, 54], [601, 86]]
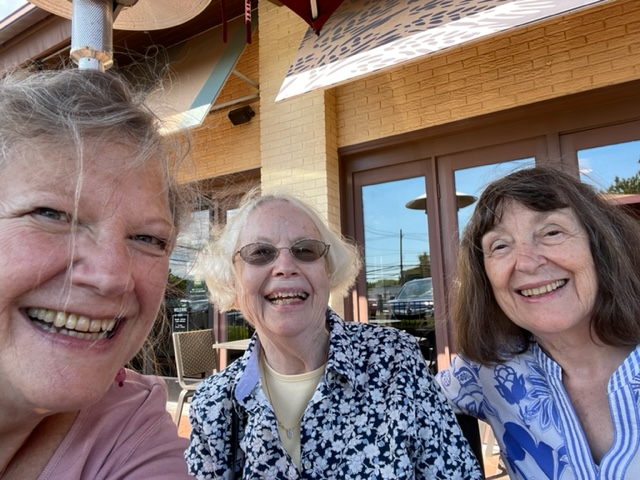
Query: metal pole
[[92, 34], [401, 268]]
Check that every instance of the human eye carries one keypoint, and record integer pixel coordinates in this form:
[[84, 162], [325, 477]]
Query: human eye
[[257, 252], [559, 226], [553, 235], [158, 243], [303, 247], [494, 245], [552, 232], [51, 214], [497, 247], [260, 249]]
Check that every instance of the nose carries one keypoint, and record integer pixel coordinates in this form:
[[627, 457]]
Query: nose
[[285, 264], [529, 257], [103, 265]]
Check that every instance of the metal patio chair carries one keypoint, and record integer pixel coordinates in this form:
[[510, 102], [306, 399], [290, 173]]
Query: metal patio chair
[[195, 361]]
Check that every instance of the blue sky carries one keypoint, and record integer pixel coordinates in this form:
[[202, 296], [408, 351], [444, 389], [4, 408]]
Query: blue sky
[[385, 213]]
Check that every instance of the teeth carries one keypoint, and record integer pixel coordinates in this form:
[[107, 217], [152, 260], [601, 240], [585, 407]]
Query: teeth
[[71, 324], [283, 298], [532, 292], [82, 325], [61, 319], [288, 295]]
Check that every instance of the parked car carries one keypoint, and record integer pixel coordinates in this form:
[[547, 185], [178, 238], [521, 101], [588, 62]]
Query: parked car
[[414, 300]]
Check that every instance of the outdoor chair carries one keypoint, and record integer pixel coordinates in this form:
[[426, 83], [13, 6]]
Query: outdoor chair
[[195, 361]]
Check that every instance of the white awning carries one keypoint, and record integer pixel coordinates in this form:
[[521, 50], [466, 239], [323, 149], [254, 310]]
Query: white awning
[[366, 36], [199, 68]]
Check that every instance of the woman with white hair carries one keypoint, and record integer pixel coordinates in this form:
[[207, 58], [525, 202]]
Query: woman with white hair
[[313, 396]]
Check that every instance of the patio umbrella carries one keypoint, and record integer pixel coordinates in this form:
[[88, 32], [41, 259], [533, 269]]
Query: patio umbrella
[[314, 12], [93, 21], [420, 202]]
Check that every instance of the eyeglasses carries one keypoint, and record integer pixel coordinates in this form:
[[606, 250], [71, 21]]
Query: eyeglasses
[[264, 253]]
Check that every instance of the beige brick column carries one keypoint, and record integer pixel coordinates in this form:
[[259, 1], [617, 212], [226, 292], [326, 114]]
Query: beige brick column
[[298, 136]]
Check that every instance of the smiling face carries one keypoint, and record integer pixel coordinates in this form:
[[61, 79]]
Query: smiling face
[[82, 271], [286, 298], [542, 272]]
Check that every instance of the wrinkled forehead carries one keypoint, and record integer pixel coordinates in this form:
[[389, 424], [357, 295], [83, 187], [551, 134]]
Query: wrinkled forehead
[[65, 170], [275, 218], [72, 160]]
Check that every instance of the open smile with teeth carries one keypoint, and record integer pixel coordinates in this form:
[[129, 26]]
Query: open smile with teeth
[[77, 326], [284, 298], [534, 292]]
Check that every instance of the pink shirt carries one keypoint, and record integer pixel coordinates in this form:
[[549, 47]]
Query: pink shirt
[[126, 435]]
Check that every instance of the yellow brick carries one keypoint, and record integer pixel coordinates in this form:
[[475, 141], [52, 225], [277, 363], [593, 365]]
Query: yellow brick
[[615, 76], [448, 68], [460, 54], [546, 39], [569, 44], [534, 95], [493, 44], [558, 77], [499, 103], [608, 54], [450, 86], [572, 86]]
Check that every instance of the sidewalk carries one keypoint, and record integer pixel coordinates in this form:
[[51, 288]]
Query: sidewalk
[[185, 429]]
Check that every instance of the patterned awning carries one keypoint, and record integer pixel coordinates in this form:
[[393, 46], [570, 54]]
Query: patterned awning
[[366, 36]]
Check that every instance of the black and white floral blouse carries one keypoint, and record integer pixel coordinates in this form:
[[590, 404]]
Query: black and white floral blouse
[[376, 414]]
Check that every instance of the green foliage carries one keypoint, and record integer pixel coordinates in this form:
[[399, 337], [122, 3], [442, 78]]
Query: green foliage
[[383, 282], [176, 287], [626, 185], [237, 332]]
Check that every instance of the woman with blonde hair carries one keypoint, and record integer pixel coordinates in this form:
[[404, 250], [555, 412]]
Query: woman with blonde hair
[[89, 213]]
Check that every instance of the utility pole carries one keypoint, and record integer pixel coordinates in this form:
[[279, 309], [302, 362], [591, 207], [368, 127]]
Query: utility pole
[[401, 268]]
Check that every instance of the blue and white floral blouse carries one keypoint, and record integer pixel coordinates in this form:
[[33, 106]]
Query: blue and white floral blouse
[[376, 414], [535, 425]]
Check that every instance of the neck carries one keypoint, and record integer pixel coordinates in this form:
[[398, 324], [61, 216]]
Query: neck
[[15, 429], [586, 359], [27, 448], [295, 356]]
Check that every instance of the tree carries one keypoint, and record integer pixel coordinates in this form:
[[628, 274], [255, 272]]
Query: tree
[[626, 185]]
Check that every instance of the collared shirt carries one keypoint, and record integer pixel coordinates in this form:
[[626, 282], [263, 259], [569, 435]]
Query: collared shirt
[[376, 414], [539, 434]]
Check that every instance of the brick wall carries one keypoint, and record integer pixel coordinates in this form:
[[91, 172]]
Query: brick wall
[[589, 48], [219, 147], [295, 141], [298, 136]]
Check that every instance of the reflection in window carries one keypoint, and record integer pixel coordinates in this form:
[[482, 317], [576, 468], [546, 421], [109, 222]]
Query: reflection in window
[[395, 239], [187, 299], [190, 242], [397, 258], [612, 168], [474, 180]]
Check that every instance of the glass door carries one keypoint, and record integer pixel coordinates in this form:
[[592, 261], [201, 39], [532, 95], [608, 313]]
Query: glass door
[[398, 272], [468, 174]]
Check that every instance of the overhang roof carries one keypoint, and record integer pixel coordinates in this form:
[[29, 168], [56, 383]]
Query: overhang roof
[[40, 36], [366, 36]]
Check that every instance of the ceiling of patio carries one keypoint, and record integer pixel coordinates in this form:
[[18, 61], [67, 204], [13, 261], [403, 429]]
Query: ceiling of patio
[[51, 34]]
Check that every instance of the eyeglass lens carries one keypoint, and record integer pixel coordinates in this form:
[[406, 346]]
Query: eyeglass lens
[[265, 253]]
